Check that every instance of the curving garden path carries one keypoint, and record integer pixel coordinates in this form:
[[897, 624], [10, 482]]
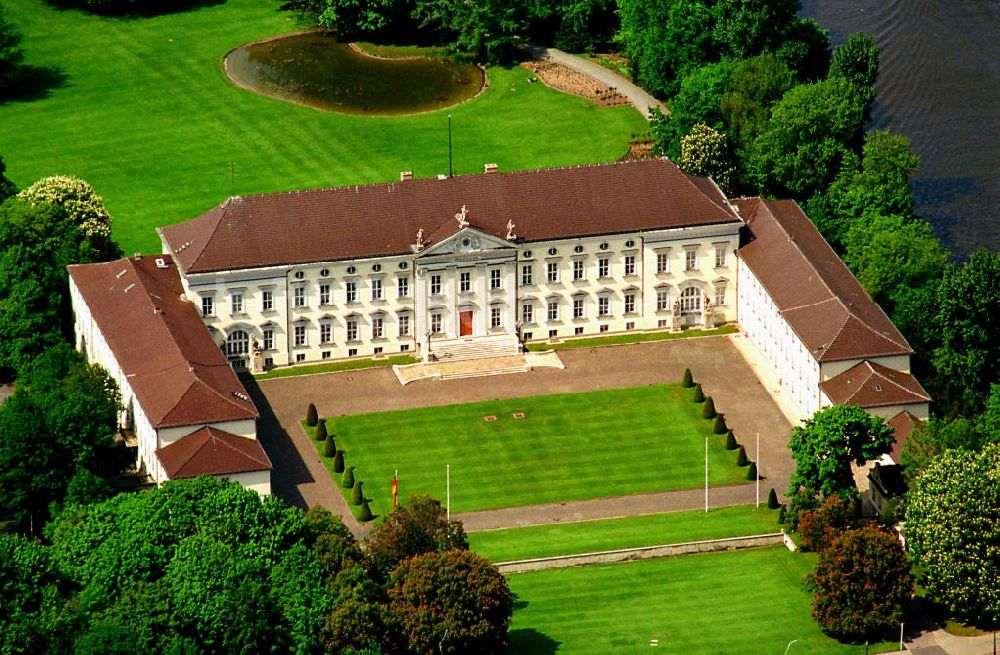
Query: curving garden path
[[639, 98]]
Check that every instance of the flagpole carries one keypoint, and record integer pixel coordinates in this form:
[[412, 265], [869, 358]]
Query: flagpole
[[447, 473], [706, 475], [757, 459]]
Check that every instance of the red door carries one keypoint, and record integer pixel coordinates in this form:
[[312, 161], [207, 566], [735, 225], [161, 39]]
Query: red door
[[465, 323]]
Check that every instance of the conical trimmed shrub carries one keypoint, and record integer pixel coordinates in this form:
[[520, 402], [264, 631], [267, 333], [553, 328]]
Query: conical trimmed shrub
[[321, 431], [365, 513], [708, 409], [752, 471], [741, 457], [688, 380], [781, 515], [349, 478], [357, 495], [699, 395], [731, 441], [329, 447], [311, 416], [772, 500], [338, 462], [720, 426]]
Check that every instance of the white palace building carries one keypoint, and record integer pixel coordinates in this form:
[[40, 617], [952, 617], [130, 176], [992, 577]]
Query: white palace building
[[488, 261]]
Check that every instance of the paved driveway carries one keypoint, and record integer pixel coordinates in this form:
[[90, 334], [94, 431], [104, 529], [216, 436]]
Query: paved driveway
[[300, 478]]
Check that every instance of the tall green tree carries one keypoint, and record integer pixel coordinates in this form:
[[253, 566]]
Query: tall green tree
[[968, 321], [706, 152], [418, 526], [825, 445], [753, 86], [697, 102], [7, 188], [856, 61], [484, 31], [349, 19], [807, 138], [953, 533], [745, 28]]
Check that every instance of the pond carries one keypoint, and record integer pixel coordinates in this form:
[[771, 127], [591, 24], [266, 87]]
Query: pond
[[314, 69]]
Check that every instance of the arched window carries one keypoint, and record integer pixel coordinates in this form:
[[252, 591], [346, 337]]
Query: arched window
[[238, 346], [691, 300]]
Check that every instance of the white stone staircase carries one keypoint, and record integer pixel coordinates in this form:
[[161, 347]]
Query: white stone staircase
[[464, 348]]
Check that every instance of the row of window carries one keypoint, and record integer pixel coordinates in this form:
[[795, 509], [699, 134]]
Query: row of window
[[690, 302], [299, 296]]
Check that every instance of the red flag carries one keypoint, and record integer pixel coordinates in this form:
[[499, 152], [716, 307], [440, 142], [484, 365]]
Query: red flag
[[395, 487]]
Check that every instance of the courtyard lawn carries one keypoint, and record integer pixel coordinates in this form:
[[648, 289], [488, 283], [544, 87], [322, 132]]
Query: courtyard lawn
[[619, 339], [334, 367], [146, 114], [750, 601], [631, 532], [567, 447]]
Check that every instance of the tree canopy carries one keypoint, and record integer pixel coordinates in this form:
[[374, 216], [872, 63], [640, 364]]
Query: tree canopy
[[825, 445], [953, 531], [413, 528]]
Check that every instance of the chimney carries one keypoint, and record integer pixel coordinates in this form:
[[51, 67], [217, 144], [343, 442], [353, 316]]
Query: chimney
[[405, 176], [490, 168]]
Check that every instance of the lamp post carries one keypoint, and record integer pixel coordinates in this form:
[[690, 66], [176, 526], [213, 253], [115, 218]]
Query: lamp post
[[789, 645]]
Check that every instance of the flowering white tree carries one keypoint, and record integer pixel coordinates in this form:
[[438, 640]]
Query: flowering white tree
[[77, 198], [705, 151], [953, 530]]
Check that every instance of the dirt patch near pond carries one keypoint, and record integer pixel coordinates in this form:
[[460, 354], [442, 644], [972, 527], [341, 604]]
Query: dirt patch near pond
[[569, 81]]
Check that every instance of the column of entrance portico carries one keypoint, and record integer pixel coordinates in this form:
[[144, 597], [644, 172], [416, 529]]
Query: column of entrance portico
[[481, 320], [421, 321]]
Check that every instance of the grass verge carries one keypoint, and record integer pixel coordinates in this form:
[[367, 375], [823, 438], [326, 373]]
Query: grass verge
[[566, 447], [334, 367], [750, 601], [639, 337], [141, 109], [630, 532]]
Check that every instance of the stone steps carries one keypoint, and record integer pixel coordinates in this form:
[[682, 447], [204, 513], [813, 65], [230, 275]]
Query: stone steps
[[455, 350]]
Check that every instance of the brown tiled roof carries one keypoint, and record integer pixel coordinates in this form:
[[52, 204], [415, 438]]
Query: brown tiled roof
[[209, 451], [178, 374], [902, 425], [383, 219], [818, 296], [872, 385]]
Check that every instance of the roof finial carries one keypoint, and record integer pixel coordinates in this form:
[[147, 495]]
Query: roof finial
[[510, 230], [419, 245], [461, 217]]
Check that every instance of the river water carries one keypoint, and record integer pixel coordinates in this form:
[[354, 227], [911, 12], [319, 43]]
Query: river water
[[939, 84]]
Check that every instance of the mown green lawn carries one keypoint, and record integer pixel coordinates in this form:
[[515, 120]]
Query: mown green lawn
[[567, 447], [640, 337], [749, 601], [630, 532], [146, 115]]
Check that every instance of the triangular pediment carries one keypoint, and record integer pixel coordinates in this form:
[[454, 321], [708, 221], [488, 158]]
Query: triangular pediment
[[468, 240]]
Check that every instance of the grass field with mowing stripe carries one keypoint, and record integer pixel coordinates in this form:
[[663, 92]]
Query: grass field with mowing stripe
[[750, 601], [147, 116], [630, 532], [567, 447]]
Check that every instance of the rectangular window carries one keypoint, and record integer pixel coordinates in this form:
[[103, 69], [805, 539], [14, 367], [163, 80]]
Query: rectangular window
[[404, 324], [325, 354], [552, 271], [629, 264], [435, 285], [299, 335], [352, 352], [578, 331], [528, 336], [405, 348], [527, 274], [630, 303], [662, 323], [527, 313], [207, 306], [494, 317], [494, 278], [266, 300], [436, 322], [577, 307], [662, 262], [351, 292], [376, 289], [720, 255], [630, 325], [662, 300], [603, 306], [301, 357], [403, 286], [378, 324], [324, 294], [578, 269], [553, 334], [236, 302], [352, 329], [690, 260], [377, 351], [552, 308], [604, 328], [268, 343], [464, 282], [299, 296], [603, 265], [720, 294], [325, 333]]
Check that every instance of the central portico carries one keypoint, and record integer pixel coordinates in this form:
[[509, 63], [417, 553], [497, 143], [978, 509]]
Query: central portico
[[465, 286]]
